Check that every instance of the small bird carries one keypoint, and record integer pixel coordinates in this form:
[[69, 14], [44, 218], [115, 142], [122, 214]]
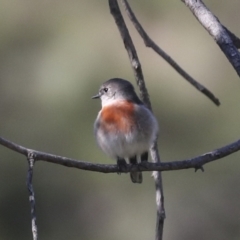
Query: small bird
[[124, 128]]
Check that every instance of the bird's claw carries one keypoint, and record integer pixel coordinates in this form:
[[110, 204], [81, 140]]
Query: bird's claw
[[121, 164]]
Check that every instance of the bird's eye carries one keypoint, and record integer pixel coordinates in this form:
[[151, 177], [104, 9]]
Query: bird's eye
[[105, 90]]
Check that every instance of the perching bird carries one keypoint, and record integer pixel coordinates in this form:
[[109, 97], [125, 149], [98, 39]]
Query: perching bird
[[124, 128]]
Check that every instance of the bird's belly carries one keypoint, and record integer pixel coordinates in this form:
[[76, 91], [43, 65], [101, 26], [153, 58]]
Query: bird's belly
[[123, 145], [120, 135]]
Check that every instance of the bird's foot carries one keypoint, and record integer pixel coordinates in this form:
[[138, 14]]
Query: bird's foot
[[121, 163]]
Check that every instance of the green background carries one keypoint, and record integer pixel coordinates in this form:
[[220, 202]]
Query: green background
[[53, 57]]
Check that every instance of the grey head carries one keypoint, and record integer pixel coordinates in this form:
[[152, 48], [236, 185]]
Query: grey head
[[117, 89]]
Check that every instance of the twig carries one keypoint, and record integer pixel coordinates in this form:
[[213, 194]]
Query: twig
[[150, 43], [31, 194], [212, 24], [194, 163], [132, 53]]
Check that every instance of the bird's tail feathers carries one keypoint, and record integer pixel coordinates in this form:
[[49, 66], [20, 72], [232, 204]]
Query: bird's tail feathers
[[136, 177]]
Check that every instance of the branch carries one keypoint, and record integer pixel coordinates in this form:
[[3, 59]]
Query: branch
[[137, 69], [150, 43], [195, 163], [136, 66], [219, 33], [235, 39], [30, 158]]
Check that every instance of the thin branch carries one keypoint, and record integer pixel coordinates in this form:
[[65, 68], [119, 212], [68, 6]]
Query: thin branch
[[135, 63], [194, 163], [132, 53], [161, 215], [235, 39], [31, 192], [219, 33], [150, 43]]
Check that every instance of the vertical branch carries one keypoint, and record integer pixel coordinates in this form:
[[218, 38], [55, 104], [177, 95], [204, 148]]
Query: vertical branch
[[116, 13], [159, 193], [31, 194]]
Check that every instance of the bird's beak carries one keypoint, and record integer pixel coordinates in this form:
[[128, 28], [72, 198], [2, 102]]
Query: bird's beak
[[96, 96]]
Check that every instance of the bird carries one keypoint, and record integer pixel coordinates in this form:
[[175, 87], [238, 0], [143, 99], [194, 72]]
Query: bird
[[124, 128]]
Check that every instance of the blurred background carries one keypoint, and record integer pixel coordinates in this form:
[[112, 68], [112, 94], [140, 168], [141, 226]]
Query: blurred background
[[53, 57]]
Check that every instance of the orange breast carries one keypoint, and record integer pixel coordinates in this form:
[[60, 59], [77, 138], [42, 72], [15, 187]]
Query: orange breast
[[118, 117]]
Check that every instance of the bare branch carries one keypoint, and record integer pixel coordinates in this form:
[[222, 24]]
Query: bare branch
[[194, 163], [150, 43], [161, 215], [235, 39], [31, 193], [136, 66], [132, 53], [212, 24]]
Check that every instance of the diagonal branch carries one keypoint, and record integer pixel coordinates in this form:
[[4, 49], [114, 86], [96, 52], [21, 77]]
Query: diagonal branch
[[150, 43], [135, 63], [235, 39], [219, 33], [137, 69]]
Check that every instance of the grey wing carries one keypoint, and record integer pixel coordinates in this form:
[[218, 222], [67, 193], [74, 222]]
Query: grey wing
[[147, 123]]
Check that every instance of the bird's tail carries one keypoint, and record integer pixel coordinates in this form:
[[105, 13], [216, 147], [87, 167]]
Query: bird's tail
[[136, 177]]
